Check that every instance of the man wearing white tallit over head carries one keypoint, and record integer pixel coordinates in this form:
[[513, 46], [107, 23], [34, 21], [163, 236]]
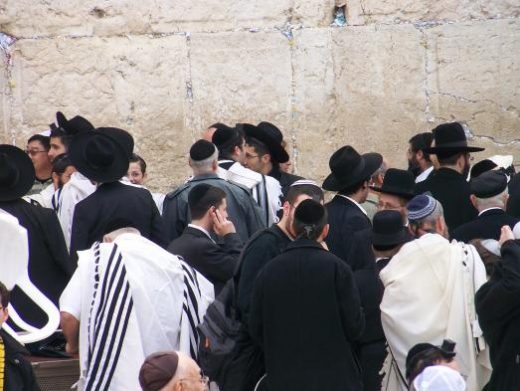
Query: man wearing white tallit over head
[[127, 299], [430, 286]]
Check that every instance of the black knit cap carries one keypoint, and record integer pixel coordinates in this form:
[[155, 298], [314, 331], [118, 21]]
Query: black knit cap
[[202, 149], [488, 184], [309, 212]]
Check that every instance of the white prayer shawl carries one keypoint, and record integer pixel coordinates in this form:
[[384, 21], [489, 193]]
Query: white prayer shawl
[[136, 299], [261, 186], [75, 190], [429, 296]]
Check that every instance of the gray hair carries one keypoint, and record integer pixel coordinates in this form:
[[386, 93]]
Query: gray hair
[[204, 166], [432, 218], [497, 201]]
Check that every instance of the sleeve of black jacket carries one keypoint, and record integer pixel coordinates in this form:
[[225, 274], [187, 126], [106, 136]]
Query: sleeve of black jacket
[[499, 298], [175, 216], [256, 314], [224, 257], [56, 242], [352, 315]]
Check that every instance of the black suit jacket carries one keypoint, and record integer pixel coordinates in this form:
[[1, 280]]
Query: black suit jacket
[[49, 264], [305, 315], [215, 262], [112, 201], [452, 190], [345, 219], [485, 226]]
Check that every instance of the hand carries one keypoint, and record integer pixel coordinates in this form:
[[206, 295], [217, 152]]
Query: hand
[[505, 235], [221, 226]]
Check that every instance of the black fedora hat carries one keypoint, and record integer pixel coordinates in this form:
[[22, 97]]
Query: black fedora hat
[[73, 126], [388, 229], [16, 173], [99, 157], [450, 139], [348, 167], [122, 137], [269, 135], [397, 182]]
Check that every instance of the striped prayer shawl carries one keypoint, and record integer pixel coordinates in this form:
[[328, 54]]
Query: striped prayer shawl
[[190, 309], [110, 311]]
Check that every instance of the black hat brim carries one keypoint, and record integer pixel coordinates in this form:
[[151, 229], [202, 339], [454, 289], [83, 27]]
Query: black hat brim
[[115, 172], [372, 163], [394, 191], [449, 150], [26, 173], [395, 239], [277, 152]]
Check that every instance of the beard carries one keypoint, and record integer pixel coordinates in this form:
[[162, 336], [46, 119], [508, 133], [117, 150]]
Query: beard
[[414, 168]]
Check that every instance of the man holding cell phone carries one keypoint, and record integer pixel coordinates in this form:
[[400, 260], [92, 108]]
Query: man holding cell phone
[[215, 261]]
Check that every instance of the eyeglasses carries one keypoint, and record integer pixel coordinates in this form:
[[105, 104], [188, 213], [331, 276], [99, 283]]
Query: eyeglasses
[[249, 156], [33, 152]]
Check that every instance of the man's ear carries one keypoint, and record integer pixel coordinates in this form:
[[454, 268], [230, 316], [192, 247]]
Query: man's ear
[[440, 226], [265, 158], [473, 200], [286, 208]]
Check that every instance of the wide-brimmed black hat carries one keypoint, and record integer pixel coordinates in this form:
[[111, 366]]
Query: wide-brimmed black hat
[[269, 135], [122, 137], [16, 173], [450, 139], [99, 157], [348, 167], [397, 182], [73, 126], [388, 229]]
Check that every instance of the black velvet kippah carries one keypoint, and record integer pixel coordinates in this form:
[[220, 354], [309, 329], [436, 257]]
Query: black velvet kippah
[[197, 193], [223, 134], [309, 212], [201, 150], [488, 184]]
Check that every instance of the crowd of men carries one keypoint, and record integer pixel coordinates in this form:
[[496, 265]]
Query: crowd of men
[[404, 279]]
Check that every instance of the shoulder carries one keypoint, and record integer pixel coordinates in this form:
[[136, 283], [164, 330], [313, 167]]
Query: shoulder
[[177, 192]]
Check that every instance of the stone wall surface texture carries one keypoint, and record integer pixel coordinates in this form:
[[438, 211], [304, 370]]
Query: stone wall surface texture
[[166, 69]]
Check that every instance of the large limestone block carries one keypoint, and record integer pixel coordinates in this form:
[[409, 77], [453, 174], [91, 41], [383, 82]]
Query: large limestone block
[[30, 18], [379, 88], [392, 11], [313, 113], [137, 84], [240, 77], [473, 76]]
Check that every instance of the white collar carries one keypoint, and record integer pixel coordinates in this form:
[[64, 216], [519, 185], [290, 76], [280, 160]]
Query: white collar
[[355, 203], [201, 229], [423, 175], [485, 210]]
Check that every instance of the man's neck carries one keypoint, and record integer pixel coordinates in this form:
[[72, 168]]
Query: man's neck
[[203, 224], [424, 165], [359, 197], [452, 167], [43, 175], [282, 224]]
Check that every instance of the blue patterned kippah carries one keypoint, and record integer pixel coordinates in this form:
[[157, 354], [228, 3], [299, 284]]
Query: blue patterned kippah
[[421, 206]]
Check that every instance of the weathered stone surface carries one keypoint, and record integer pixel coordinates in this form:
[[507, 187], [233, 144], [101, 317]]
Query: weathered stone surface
[[137, 84], [167, 69], [380, 89], [240, 77], [484, 93], [394, 11], [28, 18]]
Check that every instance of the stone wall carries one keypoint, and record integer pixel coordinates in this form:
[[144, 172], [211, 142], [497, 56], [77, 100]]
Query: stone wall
[[166, 69]]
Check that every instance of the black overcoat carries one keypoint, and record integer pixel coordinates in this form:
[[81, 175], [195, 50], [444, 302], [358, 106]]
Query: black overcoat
[[345, 219], [115, 201], [216, 262], [486, 226], [452, 190], [19, 375], [49, 264], [305, 315], [498, 307]]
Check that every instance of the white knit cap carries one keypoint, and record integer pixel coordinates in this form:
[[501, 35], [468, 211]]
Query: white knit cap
[[439, 378]]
